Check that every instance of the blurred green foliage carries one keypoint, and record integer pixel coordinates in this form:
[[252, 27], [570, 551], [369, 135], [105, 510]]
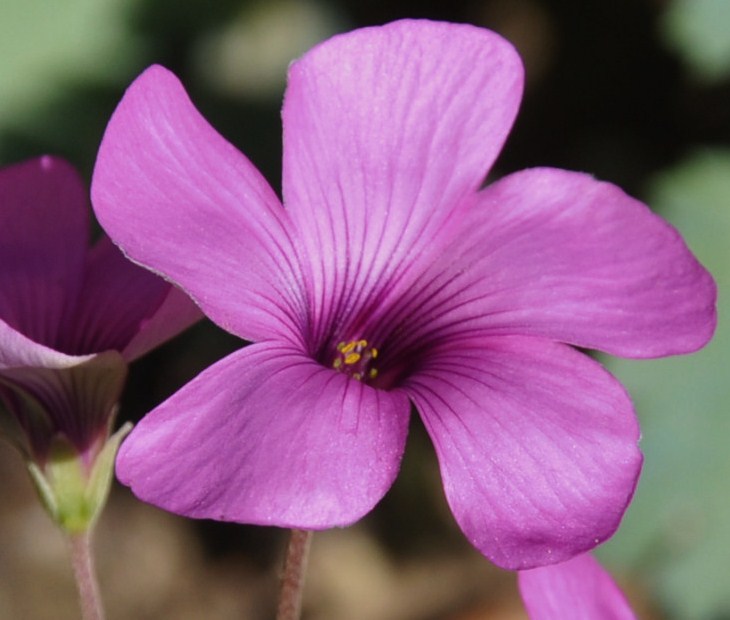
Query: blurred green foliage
[[60, 63], [698, 30], [44, 46], [677, 530]]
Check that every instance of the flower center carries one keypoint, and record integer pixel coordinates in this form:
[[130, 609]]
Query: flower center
[[354, 358]]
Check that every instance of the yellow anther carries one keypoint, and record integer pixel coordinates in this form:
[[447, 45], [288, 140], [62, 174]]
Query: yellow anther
[[352, 358]]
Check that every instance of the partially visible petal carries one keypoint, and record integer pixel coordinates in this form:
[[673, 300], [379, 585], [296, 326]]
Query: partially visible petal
[[176, 313], [266, 436], [17, 350], [24, 423], [118, 301], [77, 402], [537, 446], [43, 239], [579, 589], [560, 255], [185, 203], [386, 130]]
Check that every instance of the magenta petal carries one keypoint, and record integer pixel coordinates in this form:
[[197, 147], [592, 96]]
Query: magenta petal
[[43, 239], [560, 255], [119, 301], [76, 401], [176, 313], [182, 201], [579, 589], [16, 350], [119, 298], [537, 445], [267, 436], [386, 130]]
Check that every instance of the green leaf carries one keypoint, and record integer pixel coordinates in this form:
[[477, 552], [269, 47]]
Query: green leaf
[[699, 31], [44, 43]]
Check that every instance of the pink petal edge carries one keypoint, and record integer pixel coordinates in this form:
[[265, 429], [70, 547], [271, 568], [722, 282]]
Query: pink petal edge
[[579, 589], [17, 350]]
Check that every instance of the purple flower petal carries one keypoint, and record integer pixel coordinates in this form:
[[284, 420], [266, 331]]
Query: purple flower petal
[[182, 201], [267, 436], [43, 239], [537, 445], [560, 255], [17, 350], [579, 589], [386, 131], [76, 401], [119, 298], [176, 313]]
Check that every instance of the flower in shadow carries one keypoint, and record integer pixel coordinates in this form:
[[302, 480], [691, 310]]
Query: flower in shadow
[[72, 317]]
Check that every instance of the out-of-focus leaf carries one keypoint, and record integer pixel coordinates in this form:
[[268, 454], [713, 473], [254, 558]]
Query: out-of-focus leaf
[[677, 531], [45, 43], [699, 31], [248, 56]]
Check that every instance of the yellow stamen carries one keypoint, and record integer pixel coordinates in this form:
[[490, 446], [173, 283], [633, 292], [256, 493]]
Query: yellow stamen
[[352, 358]]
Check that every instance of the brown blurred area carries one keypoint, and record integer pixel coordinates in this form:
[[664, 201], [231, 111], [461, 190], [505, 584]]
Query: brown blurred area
[[153, 566]]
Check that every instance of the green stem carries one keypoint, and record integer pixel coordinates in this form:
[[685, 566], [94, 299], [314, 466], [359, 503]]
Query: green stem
[[292, 579], [86, 581]]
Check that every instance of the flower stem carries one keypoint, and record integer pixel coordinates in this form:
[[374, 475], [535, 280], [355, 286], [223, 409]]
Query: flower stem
[[292, 579], [83, 565]]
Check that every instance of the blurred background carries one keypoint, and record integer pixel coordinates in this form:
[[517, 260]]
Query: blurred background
[[636, 92]]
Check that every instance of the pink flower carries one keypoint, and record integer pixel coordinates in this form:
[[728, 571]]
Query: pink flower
[[389, 280], [71, 316], [579, 589]]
